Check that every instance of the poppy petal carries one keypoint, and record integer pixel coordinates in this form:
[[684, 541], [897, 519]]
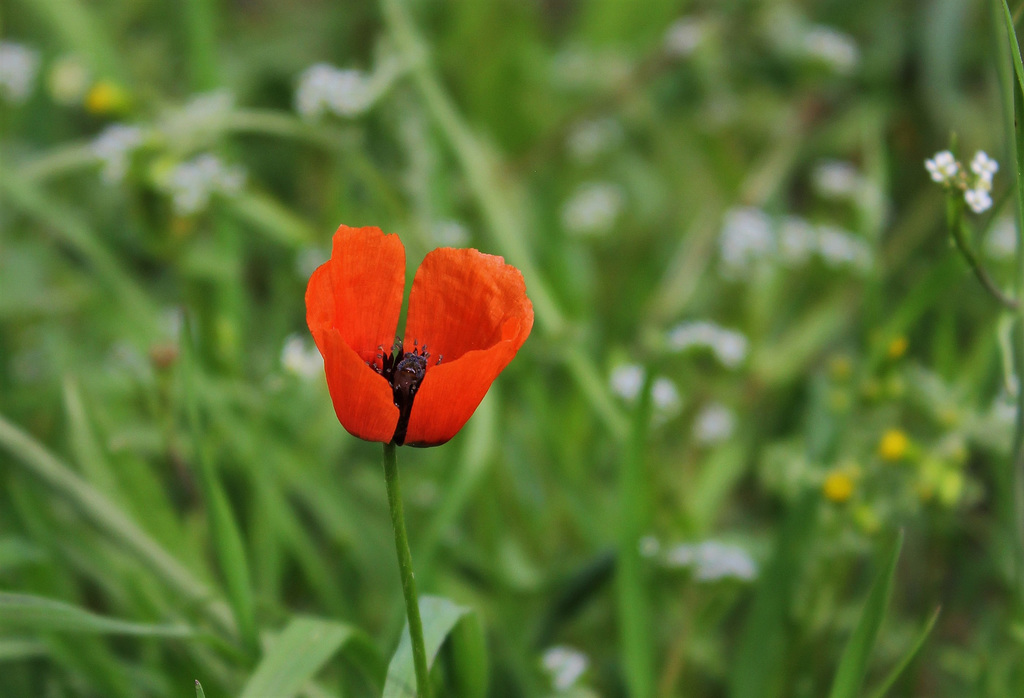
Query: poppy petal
[[460, 301], [352, 306], [358, 291], [451, 392], [362, 397]]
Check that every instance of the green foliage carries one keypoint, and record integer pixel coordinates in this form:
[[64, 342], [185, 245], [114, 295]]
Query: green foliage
[[760, 351]]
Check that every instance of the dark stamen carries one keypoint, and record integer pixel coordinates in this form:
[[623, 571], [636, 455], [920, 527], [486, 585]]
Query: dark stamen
[[404, 371]]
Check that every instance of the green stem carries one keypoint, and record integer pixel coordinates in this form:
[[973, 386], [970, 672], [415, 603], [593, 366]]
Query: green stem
[[956, 228], [412, 608]]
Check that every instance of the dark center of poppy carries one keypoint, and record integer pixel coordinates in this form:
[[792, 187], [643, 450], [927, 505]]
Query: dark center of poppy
[[404, 371]]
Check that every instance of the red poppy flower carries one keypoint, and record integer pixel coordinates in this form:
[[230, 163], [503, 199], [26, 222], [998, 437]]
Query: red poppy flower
[[468, 316]]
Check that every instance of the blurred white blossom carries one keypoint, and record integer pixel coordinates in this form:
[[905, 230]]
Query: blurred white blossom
[[324, 88], [834, 48], [649, 546], [665, 396], [684, 36], [728, 346], [576, 68], [840, 248], [985, 167], [745, 238], [301, 358], [18, 67], [1001, 241], [978, 199], [69, 80], [798, 240], [714, 423], [450, 233], [836, 179], [593, 208], [193, 183], [589, 139], [565, 665], [942, 166], [114, 148], [712, 560], [627, 380]]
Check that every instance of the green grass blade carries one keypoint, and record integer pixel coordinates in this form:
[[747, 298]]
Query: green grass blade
[[907, 658], [854, 663], [440, 617], [302, 650], [199, 690], [227, 539], [39, 614]]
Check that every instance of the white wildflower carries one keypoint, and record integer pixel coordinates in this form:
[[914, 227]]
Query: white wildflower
[[713, 560], [627, 380], [114, 148], [984, 166], [593, 208], [978, 199], [797, 240], [18, 67], [836, 179], [834, 48], [942, 166], [565, 665], [839, 248], [714, 423], [665, 396], [684, 36], [728, 346], [324, 88], [301, 358], [450, 233], [193, 183], [1001, 241], [745, 238], [591, 138], [69, 80]]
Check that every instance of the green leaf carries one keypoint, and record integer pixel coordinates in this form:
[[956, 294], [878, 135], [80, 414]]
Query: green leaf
[[199, 690], [854, 664], [898, 669], [302, 649], [442, 620], [48, 615]]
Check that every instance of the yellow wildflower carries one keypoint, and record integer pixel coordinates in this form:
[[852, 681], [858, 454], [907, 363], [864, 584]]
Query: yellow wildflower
[[838, 486], [894, 445], [897, 347], [106, 97]]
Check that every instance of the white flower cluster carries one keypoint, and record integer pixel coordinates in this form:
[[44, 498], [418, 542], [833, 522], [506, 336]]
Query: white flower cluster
[[712, 560], [590, 139], [19, 65], [593, 208], [834, 48], [114, 148], [68, 80], [301, 358], [713, 424], [836, 179], [944, 169], [684, 36], [192, 183], [627, 380], [728, 346], [324, 88], [565, 665], [749, 235]]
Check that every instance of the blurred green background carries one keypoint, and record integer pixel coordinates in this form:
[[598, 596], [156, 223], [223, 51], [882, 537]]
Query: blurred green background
[[721, 205]]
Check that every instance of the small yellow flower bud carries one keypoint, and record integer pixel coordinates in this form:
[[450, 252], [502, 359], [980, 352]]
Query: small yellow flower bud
[[106, 97], [893, 445], [897, 347], [838, 486]]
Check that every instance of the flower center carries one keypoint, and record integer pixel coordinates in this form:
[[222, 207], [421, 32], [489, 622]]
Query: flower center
[[404, 371]]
